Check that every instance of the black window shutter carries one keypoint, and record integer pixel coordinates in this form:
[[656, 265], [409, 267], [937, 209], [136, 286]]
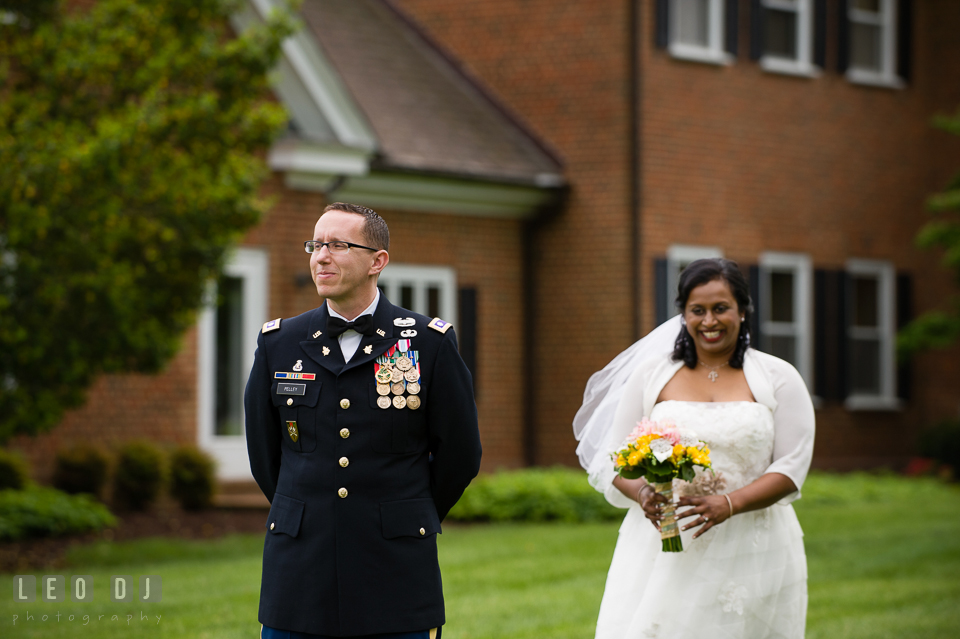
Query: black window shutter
[[662, 24], [755, 338], [467, 330], [830, 334], [843, 33], [905, 39], [904, 315], [731, 26], [757, 15], [660, 290], [820, 33]]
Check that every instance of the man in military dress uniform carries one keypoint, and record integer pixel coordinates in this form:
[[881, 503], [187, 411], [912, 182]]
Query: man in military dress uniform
[[362, 433]]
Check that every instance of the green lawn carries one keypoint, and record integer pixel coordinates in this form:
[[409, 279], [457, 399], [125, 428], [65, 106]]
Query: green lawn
[[884, 559]]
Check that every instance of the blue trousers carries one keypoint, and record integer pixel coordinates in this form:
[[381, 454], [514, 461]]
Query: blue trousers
[[273, 633]]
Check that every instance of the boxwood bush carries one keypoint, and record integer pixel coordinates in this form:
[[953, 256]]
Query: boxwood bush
[[138, 476], [533, 494], [192, 478], [13, 471], [81, 469], [38, 511]]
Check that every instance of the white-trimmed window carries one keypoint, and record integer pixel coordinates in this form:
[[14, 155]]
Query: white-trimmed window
[[226, 342], [873, 42], [429, 290], [678, 257], [696, 31], [786, 309], [788, 37], [871, 330]]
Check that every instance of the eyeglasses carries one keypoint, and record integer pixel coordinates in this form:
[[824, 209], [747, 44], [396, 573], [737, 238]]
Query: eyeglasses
[[336, 247]]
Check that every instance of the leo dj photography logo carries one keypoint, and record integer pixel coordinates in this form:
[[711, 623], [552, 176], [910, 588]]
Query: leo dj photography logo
[[54, 589]]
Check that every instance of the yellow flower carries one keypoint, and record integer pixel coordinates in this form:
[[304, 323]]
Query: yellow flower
[[635, 458]]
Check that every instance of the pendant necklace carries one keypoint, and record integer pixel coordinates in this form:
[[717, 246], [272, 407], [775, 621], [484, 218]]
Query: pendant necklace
[[713, 375]]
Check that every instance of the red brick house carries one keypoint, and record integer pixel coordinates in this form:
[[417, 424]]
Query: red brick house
[[547, 168]]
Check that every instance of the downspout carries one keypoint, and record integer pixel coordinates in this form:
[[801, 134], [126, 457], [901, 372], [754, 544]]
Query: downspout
[[530, 250], [634, 95]]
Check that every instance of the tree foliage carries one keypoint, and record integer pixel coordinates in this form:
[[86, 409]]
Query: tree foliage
[[940, 328], [131, 142]]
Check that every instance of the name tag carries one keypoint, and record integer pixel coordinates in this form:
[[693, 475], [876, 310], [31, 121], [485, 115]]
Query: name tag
[[291, 389]]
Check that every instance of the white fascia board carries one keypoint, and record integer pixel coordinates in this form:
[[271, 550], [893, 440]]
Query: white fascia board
[[299, 156], [444, 195], [321, 81]]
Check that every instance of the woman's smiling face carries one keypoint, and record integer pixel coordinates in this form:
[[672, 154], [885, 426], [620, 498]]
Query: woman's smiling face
[[713, 319]]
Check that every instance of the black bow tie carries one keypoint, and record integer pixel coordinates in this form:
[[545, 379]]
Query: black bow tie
[[362, 325]]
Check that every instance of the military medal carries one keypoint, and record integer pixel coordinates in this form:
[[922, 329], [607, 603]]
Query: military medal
[[383, 401], [383, 389], [397, 389], [384, 376], [413, 388], [292, 429], [396, 376], [413, 402], [411, 375], [399, 401], [404, 363]]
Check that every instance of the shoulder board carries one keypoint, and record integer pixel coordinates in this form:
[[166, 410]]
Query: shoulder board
[[438, 324], [272, 325]]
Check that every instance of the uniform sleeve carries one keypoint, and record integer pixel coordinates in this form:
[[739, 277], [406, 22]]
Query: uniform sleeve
[[454, 435], [794, 427], [263, 436]]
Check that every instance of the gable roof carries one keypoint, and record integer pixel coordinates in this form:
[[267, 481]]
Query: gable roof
[[425, 114]]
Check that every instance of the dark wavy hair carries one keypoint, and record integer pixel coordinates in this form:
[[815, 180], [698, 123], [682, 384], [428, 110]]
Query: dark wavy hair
[[698, 273]]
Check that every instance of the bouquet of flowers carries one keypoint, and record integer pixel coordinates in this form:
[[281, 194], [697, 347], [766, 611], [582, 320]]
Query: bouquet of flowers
[[661, 452]]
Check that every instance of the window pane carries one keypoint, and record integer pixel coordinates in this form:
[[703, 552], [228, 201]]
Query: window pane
[[781, 297], [692, 22], [783, 347], [781, 35], [406, 297], [865, 366], [866, 302], [865, 47], [866, 5], [433, 301], [229, 420]]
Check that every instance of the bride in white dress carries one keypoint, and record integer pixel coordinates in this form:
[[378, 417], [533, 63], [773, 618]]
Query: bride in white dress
[[742, 573]]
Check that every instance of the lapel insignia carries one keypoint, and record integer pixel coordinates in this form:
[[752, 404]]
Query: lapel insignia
[[438, 324], [298, 366], [381, 333], [326, 351], [368, 349], [272, 325], [404, 321], [317, 334], [292, 429], [408, 333]]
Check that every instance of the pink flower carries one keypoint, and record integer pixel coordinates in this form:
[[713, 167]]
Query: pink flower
[[666, 430]]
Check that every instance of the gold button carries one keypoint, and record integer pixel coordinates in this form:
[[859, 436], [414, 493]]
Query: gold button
[[289, 401], [272, 526], [423, 532], [344, 404], [344, 432], [343, 493], [344, 462]]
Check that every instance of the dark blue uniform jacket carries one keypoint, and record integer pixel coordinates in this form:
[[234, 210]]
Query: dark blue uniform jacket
[[362, 560]]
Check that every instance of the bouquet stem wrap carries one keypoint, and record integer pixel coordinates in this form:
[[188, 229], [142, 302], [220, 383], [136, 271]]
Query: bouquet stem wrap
[[669, 529]]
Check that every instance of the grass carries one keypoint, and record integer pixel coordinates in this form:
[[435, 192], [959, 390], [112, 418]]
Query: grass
[[883, 552]]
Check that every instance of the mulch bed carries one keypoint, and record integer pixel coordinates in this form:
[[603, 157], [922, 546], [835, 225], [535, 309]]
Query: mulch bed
[[165, 520]]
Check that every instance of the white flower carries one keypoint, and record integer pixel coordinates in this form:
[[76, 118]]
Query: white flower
[[732, 596], [661, 449], [689, 438]]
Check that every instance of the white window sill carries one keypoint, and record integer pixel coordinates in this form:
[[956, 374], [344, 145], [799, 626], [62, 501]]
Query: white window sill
[[700, 54], [873, 403], [789, 67], [874, 79]]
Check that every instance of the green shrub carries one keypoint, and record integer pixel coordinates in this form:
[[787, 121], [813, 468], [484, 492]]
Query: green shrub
[[13, 471], [534, 494], [46, 512], [139, 475], [81, 469], [192, 479], [942, 442]]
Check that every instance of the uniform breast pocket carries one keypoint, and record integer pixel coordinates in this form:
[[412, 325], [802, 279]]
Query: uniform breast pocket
[[394, 430], [297, 404]]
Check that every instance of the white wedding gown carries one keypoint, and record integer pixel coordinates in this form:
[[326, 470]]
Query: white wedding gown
[[745, 579]]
